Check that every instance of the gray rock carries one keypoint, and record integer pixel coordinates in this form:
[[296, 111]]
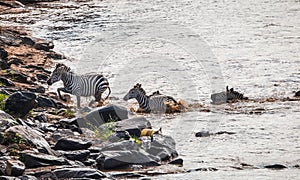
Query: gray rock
[[162, 147], [31, 137], [6, 121], [80, 155], [79, 173], [21, 102], [6, 82], [14, 167], [120, 146], [33, 160], [46, 102], [133, 125], [123, 159], [71, 144], [27, 177], [102, 115]]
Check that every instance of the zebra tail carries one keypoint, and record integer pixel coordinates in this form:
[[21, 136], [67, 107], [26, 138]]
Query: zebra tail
[[108, 93]]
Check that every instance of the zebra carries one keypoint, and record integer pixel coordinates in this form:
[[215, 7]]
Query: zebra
[[153, 103], [228, 95], [79, 85]]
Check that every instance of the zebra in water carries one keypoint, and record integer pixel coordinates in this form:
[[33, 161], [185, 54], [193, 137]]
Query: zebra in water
[[153, 103], [228, 95], [79, 85]]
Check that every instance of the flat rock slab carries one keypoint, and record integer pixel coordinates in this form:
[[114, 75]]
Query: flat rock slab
[[79, 173], [33, 160], [133, 125], [80, 155], [123, 159], [102, 115], [31, 136], [71, 144]]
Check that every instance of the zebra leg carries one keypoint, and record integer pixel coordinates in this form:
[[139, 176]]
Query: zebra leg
[[78, 101], [63, 90]]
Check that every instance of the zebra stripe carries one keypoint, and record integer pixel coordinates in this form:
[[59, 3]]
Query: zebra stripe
[[153, 103], [228, 95], [79, 85]]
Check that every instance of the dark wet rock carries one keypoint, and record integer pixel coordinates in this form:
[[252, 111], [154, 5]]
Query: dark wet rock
[[37, 89], [46, 102], [227, 96], [178, 161], [133, 126], [21, 102], [56, 56], [123, 159], [41, 118], [162, 147], [202, 169], [27, 177], [14, 167], [89, 162], [87, 173], [102, 115], [6, 121], [119, 136], [46, 46], [3, 58], [120, 146], [17, 76], [80, 155], [33, 160], [42, 77], [71, 144], [30, 136], [224, 132], [275, 166], [6, 82], [27, 41], [297, 94], [202, 134], [15, 61], [125, 175]]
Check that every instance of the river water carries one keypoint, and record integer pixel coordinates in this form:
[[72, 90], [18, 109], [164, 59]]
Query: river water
[[190, 49]]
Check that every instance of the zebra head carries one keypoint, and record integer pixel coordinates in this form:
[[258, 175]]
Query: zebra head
[[57, 73], [136, 91]]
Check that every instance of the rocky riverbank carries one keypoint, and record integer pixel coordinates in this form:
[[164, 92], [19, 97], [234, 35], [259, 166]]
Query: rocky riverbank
[[41, 137]]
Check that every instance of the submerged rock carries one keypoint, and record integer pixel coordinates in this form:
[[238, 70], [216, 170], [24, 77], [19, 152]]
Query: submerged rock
[[297, 94], [21, 102], [14, 167], [275, 166], [102, 115], [71, 144], [124, 159], [87, 173]]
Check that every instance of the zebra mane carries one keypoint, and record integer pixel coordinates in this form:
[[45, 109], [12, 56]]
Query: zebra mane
[[139, 87], [66, 68]]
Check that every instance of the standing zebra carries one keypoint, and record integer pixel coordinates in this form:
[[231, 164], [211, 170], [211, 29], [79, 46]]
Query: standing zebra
[[153, 103], [79, 85]]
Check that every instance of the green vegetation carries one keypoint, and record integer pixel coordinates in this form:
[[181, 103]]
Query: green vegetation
[[3, 97], [104, 131], [136, 140], [69, 113]]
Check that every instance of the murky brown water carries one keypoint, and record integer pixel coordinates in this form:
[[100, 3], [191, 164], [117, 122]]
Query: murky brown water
[[189, 49]]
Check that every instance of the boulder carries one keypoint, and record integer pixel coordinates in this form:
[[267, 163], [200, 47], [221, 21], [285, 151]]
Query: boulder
[[124, 159], [21, 102], [71, 144], [14, 167], [30, 136], [120, 146], [178, 161], [80, 155], [6, 82], [203, 134], [102, 115], [162, 147], [297, 94], [80, 173], [46, 102], [33, 160], [6, 121], [133, 125]]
